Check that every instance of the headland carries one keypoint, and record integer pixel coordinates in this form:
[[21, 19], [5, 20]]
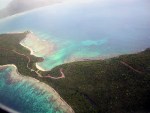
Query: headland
[[119, 84]]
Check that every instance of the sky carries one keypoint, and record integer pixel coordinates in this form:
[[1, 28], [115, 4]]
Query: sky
[[3, 3]]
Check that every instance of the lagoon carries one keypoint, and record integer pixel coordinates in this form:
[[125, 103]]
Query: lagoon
[[86, 29]]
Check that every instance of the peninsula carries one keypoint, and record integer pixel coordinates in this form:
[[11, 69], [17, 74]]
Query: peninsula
[[116, 85]]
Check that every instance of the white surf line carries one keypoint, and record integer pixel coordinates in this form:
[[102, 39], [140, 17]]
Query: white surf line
[[58, 99], [24, 56], [19, 54], [39, 68], [30, 34], [39, 75]]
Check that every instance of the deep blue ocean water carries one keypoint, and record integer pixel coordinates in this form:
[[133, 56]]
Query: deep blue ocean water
[[87, 29], [25, 94], [84, 29]]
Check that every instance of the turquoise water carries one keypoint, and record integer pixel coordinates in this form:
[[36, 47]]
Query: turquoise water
[[80, 29], [87, 29], [25, 95]]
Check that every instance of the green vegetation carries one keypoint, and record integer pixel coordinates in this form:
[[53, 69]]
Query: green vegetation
[[106, 86], [10, 43], [100, 86]]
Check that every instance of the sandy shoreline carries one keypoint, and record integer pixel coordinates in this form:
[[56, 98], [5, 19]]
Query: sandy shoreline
[[31, 51], [39, 68], [41, 86], [37, 49], [56, 97]]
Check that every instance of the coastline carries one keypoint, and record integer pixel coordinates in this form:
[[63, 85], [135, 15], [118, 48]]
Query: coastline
[[31, 51], [31, 37], [41, 86], [39, 68], [124, 64], [37, 47]]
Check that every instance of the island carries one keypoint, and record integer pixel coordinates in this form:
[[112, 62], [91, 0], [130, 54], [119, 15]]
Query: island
[[115, 85]]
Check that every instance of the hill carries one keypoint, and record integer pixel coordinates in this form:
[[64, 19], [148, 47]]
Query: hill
[[116, 85]]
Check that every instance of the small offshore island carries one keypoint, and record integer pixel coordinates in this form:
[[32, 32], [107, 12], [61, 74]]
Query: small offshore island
[[115, 85]]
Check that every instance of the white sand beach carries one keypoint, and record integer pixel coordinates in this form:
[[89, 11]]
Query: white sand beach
[[39, 48]]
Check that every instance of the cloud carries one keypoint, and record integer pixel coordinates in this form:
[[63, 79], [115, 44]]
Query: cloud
[[4, 3]]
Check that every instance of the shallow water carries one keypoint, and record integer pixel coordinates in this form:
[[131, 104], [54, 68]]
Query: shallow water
[[27, 95], [87, 29], [79, 29]]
